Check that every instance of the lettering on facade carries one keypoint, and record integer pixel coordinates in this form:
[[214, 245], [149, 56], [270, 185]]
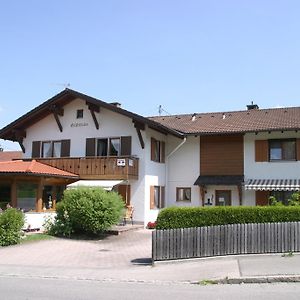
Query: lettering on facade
[[77, 124]]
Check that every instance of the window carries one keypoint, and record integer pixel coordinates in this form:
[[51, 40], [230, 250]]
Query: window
[[282, 149], [157, 197], [79, 114], [183, 194], [157, 150], [282, 196], [115, 147], [51, 149]]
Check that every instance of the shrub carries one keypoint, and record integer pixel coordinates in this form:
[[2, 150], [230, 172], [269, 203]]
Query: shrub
[[185, 217], [87, 210], [11, 223], [151, 225]]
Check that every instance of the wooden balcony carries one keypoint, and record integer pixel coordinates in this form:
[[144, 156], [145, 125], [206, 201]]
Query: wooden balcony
[[108, 168]]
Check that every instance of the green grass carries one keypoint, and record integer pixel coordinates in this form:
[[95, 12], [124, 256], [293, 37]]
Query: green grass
[[36, 237]]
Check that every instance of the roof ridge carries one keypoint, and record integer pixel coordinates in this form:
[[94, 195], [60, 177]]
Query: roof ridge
[[31, 166], [224, 112]]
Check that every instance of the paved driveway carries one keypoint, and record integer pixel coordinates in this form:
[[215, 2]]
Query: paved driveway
[[122, 251]]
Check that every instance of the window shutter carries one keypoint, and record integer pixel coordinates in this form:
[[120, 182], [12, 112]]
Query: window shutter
[[262, 198], [126, 145], [261, 150], [153, 145], [65, 148], [152, 202], [90, 149], [36, 149], [162, 197], [298, 149], [162, 151]]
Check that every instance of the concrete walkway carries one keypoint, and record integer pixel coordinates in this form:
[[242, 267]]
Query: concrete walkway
[[127, 257]]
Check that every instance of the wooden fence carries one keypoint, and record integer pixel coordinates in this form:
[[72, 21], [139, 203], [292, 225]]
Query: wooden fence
[[225, 240]]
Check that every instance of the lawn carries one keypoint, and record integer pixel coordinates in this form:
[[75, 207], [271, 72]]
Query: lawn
[[36, 237]]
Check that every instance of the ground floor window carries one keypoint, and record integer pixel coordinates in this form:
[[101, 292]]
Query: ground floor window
[[26, 196], [282, 196], [183, 194], [157, 197], [4, 195]]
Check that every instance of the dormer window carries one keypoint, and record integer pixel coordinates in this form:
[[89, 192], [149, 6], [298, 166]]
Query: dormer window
[[79, 114]]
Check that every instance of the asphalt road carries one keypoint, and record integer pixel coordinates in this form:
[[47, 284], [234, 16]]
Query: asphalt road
[[17, 288]]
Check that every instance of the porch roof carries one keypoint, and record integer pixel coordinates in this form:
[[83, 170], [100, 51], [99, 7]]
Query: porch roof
[[273, 184], [33, 168], [219, 180]]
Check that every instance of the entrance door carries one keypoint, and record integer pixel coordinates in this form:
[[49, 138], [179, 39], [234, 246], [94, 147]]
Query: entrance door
[[223, 198], [124, 191]]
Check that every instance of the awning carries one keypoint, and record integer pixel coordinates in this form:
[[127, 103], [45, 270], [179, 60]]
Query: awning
[[273, 184], [105, 184], [219, 180]]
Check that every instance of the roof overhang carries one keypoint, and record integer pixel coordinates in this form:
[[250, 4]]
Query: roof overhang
[[66, 96], [105, 184], [219, 180], [273, 184]]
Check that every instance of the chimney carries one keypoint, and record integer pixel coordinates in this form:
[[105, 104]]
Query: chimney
[[117, 104], [252, 106]]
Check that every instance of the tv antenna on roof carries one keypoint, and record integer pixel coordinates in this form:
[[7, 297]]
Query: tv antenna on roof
[[161, 110]]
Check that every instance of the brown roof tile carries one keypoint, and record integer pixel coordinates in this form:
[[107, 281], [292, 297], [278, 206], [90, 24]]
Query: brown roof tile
[[33, 168], [10, 155], [274, 119]]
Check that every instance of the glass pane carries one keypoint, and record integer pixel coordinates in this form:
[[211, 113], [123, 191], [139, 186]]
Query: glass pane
[[26, 196], [102, 147], [115, 147], [156, 196], [156, 151], [184, 194], [289, 150], [56, 149], [47, 151]]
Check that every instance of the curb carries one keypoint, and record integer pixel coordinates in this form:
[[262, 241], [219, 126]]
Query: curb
[[259, 279]]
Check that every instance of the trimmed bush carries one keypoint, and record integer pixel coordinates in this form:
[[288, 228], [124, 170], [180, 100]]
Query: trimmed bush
[[11, 223], [87, 210], [185, 217]]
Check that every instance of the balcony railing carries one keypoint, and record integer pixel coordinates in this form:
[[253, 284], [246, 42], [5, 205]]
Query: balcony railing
[[108, 168]]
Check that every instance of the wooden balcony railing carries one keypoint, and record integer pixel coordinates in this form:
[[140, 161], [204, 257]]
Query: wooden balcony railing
[[108, 168]]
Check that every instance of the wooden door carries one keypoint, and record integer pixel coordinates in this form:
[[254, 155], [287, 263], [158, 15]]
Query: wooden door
[[223, 198], [124, 191]]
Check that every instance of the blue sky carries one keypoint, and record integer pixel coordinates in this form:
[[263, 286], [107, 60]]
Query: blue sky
[[188, 56]]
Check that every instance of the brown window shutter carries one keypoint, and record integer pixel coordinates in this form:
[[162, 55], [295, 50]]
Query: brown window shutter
[[65, 148], [36, 149], [262, 197], [261, 150], [298, 149], [90, 149], [153, 145], [126, 145], [162, 197], [162, 151], [152, 202]]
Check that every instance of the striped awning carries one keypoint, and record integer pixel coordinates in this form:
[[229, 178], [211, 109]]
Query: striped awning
[[273, 184]]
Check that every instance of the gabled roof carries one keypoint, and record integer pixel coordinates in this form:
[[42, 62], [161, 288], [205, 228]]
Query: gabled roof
[[66, 96], [33, 168], [254, 120], [10, 155]]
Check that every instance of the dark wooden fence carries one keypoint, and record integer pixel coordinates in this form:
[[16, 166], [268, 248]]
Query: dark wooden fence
[[225, 240]]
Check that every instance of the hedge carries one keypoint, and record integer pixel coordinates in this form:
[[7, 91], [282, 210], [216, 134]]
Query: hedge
[[186, 217]]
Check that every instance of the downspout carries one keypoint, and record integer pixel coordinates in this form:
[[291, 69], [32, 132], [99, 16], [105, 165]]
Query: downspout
[[167, 163]]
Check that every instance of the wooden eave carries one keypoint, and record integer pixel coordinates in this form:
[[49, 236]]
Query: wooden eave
[[67, 96]]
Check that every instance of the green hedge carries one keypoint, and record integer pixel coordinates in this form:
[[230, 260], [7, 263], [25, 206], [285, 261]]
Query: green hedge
[[185, 217], [11, 223]]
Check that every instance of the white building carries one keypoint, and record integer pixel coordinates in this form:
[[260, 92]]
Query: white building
[[232, 158]]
